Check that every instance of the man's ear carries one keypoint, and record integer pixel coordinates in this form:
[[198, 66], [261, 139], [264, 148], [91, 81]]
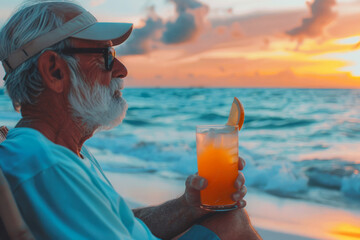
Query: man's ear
[[54, 71]]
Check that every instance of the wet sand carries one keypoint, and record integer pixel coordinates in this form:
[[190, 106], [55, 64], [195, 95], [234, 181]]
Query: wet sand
[[274, 218]]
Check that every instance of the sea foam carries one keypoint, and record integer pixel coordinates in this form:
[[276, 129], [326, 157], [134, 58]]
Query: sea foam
[[350, 186]]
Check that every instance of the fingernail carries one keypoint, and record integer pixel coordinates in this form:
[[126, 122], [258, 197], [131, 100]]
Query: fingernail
[[242, 203], [201, 183], [238, 185], [243, 162], [236, 196]]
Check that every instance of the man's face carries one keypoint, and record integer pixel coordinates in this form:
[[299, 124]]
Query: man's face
[[95, 95], [92, 64]]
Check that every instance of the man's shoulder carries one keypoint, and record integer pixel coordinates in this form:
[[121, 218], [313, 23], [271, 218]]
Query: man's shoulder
[[26, 152], [23, 144]]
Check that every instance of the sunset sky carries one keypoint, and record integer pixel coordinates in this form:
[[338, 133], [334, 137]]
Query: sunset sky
[[235, 43]]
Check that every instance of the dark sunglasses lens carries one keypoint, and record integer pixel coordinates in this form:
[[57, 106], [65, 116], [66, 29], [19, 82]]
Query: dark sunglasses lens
[[111, 57]]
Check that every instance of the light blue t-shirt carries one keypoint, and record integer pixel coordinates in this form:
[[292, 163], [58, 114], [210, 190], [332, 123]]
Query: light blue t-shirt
[[62, 196], [59, 196]]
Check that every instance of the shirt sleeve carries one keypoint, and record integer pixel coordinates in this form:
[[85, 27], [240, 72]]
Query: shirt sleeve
[[64, 202], [199, 232]]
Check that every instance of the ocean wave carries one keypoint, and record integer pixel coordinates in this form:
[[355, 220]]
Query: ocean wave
[[300, 179], [254, 118], [138, 122], [212, 117], [140, 108], [330, 176], [145, 95], [281, 179], [350, 186], [320, 146], [276, 123], [320, 134]]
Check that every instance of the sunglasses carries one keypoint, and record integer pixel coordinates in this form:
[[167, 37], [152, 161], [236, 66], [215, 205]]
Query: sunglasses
[[108, 54]]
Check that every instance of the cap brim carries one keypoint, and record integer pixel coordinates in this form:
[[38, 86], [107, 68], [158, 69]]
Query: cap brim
[[104, 31]]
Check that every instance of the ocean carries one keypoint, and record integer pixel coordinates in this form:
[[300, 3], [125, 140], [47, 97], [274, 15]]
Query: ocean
[[298, 143]]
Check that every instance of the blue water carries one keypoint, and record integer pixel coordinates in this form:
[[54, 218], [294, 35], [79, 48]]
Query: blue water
[[298, 143]]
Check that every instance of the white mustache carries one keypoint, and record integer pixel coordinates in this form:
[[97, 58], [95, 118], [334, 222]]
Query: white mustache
[[99, 106], [117, 84]]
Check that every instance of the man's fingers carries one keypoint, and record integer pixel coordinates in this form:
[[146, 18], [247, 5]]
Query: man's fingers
[[196, 182], [242, 204], [240, 181], [242, 163], [239, 195]]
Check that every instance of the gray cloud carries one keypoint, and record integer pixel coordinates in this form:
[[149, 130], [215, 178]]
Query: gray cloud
[[188, 23], [183, 29], [313, 26], [142, 39], [183, 5]]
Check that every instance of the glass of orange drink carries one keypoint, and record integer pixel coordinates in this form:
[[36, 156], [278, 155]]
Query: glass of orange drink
[[217, 157], [217, 149]]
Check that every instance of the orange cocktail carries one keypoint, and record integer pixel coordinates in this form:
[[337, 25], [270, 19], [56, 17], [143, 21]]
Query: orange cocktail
[[217, 155]]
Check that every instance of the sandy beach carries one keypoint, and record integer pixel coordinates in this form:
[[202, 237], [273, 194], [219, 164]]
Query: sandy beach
[[274, 218]]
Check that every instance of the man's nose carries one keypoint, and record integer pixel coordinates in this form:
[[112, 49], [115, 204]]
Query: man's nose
[[119, 70]]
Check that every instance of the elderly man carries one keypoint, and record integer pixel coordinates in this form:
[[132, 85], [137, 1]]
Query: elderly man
[[62, 74]]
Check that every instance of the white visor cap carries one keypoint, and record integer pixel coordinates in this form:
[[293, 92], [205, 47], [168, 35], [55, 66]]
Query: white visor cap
[[83, 26], [104, 31]]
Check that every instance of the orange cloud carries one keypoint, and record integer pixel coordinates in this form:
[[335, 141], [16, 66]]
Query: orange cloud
[[234, 73], [253, 51], [321, 16]]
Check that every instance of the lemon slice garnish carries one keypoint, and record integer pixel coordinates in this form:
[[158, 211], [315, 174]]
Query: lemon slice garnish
[[237, 114]]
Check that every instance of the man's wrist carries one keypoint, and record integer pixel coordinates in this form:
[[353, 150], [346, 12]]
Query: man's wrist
[[195, 211]]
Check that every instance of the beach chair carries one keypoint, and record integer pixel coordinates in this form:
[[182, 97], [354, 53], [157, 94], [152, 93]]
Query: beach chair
[[12, 226]]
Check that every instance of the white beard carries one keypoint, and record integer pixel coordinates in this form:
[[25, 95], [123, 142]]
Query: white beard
[[98, 107]]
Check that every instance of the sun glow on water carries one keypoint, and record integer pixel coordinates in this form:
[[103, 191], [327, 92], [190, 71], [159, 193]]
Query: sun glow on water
[[347, 231]]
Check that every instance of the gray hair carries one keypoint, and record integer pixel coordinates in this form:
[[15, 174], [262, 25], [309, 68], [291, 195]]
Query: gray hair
[[33, 19]]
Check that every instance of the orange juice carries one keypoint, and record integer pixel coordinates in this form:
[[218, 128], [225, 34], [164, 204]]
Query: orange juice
[[217, 153]]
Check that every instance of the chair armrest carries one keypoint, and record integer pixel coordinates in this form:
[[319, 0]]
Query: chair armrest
[[3, 133], [9, 212]]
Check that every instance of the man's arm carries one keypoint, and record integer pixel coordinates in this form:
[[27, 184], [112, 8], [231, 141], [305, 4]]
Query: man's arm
[[174, 217], [171, 218]]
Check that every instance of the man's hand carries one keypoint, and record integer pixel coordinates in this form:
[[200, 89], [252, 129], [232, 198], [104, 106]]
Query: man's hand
[[173, 217], [232, 225], [226, 225], [195, 183]]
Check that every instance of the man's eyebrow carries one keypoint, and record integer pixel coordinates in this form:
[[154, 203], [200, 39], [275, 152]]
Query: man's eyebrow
[[108, 44], [103, 44]]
